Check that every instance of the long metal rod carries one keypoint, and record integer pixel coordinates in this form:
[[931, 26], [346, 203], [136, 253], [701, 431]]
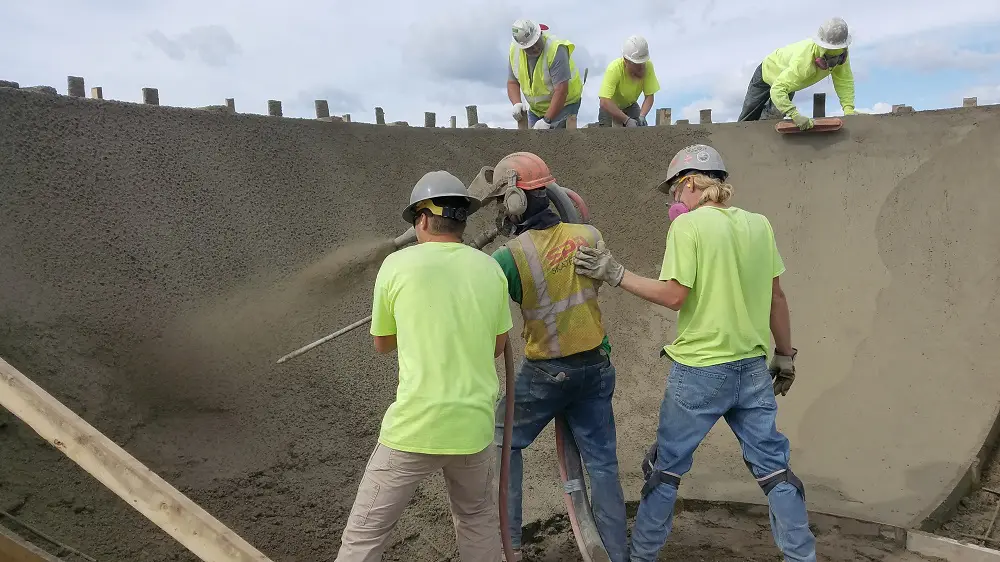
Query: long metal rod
[[479, 243]]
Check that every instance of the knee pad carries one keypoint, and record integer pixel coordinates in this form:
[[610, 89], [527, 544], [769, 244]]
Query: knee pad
[[656, 477], [786, 475]]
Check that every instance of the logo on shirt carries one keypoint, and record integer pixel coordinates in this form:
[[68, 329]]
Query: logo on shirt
[[558, 257]]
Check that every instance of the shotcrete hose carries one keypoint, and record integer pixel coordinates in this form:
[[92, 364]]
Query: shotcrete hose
[[508, 432]]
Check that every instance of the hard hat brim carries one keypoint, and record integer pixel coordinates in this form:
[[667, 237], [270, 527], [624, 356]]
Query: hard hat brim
[[637, 60], [828, 45], [409, 214]]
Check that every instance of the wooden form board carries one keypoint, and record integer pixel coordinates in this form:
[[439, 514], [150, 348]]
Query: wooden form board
[[14, 549], [123, 474]]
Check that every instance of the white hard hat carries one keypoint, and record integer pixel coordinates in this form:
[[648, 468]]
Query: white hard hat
[[636, 49], [833, 34], [525, 33]]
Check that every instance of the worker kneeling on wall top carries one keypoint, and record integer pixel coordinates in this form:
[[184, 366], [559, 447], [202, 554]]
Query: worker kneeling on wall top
[[796, 67], [567, 368], [625, 78], [541, 66], [442, 305]]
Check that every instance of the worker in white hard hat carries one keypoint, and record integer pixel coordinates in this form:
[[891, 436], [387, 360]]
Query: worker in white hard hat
[[798, 66], [553, 89], [442, 307], [624, 79]]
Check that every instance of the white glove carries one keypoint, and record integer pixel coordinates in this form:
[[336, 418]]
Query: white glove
[[631, 122], [642, 122], [598, 263], [542, 124], [517, 111]]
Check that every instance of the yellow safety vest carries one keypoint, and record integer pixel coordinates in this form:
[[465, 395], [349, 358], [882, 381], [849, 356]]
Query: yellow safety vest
[[538, 87], [559, 306]]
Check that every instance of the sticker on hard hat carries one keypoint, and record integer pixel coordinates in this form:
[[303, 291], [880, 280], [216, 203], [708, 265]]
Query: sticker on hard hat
[[703, 156]]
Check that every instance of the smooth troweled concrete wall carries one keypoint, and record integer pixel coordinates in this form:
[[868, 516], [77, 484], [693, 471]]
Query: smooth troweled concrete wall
[[151, 275]]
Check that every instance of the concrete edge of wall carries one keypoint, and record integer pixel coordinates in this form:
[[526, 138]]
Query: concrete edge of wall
[[927, 544], [663, 115], [912, 540], [968, 481]]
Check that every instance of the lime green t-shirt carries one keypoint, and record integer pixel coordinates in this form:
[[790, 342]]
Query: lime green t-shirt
[[509, 266], [729, 259], [622, 88], [446, 303]]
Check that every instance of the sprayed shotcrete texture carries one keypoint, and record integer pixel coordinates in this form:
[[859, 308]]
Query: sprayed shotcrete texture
[[158, 260]]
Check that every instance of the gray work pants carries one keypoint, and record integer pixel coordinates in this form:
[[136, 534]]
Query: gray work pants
[[757, 106], [604, 118]]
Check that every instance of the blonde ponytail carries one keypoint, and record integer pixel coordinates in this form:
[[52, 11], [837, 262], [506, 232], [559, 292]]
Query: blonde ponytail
[[712, 189]]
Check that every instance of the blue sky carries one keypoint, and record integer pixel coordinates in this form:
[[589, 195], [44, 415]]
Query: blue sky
[[440, 55]]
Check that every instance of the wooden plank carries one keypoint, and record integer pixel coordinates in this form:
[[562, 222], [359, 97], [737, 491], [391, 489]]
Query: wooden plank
[[824, 124], [949, 549], [150, 495], [15, 549]]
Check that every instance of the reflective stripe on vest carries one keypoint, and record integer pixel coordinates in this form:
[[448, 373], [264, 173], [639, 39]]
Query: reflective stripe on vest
[[548, 345]]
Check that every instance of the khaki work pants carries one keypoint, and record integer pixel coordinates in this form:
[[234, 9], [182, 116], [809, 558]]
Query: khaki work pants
[[389, 481]]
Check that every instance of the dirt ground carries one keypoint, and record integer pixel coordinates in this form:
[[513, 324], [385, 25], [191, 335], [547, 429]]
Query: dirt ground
[[976, 510]]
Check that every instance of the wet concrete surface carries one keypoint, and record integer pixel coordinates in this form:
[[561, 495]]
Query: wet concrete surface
[[153, 274]]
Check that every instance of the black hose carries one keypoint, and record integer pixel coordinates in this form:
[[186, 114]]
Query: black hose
[[508, 431]]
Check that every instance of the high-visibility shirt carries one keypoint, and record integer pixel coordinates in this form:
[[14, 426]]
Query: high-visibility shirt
[[622, 88], [558, 305], [793, 68], [537, 86]]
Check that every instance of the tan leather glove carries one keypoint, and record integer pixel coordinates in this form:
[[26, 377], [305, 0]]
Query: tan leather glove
[[598, 263], [782, 369]]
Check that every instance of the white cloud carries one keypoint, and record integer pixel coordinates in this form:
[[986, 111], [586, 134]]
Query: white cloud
[[441, 55], [986, 95]]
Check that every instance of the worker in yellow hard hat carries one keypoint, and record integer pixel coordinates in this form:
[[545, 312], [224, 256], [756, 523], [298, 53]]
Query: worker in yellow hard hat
[[796, 67], [625, 78], [553, 89]]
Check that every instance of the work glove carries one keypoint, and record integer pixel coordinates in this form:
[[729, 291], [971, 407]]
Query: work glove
[[849, 110], [598, 263], [542, 124], [802, 122], [517, 111], [782, 370], [631, 122], [642, 122]]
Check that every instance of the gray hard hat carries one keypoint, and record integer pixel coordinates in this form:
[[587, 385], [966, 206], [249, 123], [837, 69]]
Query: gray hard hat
[[439, 184], [833, 34], [700, 157]]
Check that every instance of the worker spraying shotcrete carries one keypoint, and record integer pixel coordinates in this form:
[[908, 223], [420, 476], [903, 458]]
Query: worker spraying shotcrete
[[567, 369], [443, 306], [625, 78], [796, 67], [542, 67], [721, 272]]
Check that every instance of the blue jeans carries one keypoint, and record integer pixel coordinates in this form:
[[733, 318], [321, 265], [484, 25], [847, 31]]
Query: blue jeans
[[578, 387], [560, 121], [696, 397]]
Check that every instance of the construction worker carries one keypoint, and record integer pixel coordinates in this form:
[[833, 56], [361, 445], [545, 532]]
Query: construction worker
[[720, 271], [552, 89], [796, 67], [624, 79], [567, 368], [443, 306]]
